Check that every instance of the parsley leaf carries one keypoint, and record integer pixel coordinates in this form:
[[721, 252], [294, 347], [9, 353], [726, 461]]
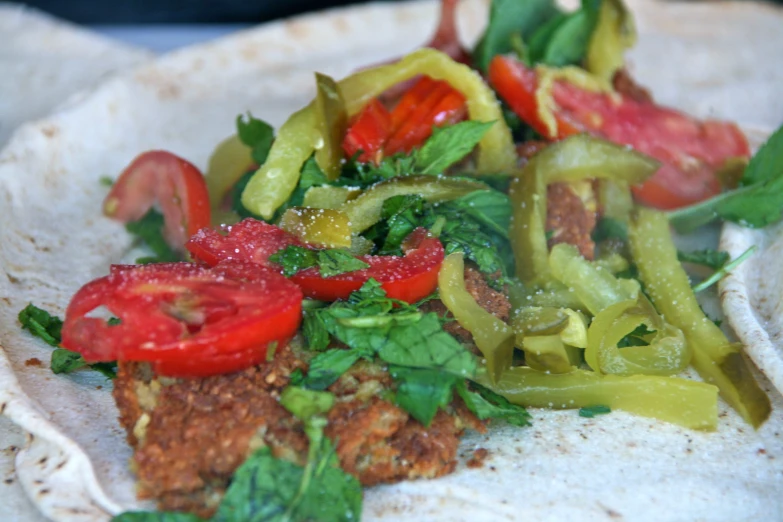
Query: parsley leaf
[[327, 367], [41, 324], [486, 404], [330, 262], [714, 259], [506, 18], [256, 134], [565, 39], [149, 229], [756, 203]]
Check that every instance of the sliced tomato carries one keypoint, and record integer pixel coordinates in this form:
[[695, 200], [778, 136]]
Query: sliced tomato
[[249, 240], [368, 132], [185, 320], [408, 278], [691, 151], [176, 185]]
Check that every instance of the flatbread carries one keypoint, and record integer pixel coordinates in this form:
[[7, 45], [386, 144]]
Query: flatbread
[[53, 239]]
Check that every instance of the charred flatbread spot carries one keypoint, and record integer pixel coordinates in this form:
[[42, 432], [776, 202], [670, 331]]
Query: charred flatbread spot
[[477, 460], [34, 361]]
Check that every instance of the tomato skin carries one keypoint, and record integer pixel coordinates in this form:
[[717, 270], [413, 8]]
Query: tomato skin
[[408, 278], [690, 150], [174, 183], [185, 320]]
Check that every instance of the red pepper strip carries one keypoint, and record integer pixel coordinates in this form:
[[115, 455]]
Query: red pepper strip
[[442, 105], [691, 151], [368, 132]]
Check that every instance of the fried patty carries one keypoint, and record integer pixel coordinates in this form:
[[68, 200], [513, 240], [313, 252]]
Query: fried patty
[[190, 435]]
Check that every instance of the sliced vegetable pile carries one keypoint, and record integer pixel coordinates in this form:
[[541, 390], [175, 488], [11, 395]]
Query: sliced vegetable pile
[[364, 239]]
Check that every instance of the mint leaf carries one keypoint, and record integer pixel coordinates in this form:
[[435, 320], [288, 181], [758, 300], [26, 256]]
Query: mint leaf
[[506, 18], [294, 258], [332, 262], [66, 361], [149, 229], [767, 163], [707, 257], [448, 145], [566, 42], [486, 404], [327, 367], [421, 392], [41, 324], [314, 330], [256, 134], [489, 208]]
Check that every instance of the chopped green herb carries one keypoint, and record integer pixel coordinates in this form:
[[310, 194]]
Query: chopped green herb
[[41, 324], [421, 391], [106, 181], [114, 321], [294, 258], [610, 228], [726, 268], [714, 259], [256, 134], [636, 337], [448, 145], [330, 262], [66, 361], [149, 229], [486, 404], [592, 411]]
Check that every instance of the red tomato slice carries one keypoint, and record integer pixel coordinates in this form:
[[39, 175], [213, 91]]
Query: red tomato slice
[[690, 150], [175, 184], [368, 133], [408, 278], [185, 320]]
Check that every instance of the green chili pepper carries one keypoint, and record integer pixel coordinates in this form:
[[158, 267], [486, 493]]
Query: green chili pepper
[[328, 196], [331, 122], [613, 35], [297, 138], [716, 359], [365, 210], [595, 287], [691, 404], [546, 353], [573, 159], [492, 336], [321, 227], [230, 160], [666, 354]]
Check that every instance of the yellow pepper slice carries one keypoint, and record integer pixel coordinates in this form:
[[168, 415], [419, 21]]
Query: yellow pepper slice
[[716, 359], [328, 196], [691, 404], [492, 336], [614, 33], [666, 354], [297, 138], [365, 210], [321, 227], [230, 160]]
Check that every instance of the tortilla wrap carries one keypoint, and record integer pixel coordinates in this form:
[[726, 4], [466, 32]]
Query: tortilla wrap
[[53, 239]]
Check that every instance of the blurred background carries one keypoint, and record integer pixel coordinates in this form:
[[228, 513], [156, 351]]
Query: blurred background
[[92, 12]]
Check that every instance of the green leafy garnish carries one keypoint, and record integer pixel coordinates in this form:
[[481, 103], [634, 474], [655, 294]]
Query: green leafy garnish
[[565, 38], [507, 18], [592, 411], [714, 259], [724, 269], [66, 361], [638, 337], [756, 203], [330, 262], [486, 404], [49, 327], [41, 324], [610, 228], [256, 134], [149, 230]]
